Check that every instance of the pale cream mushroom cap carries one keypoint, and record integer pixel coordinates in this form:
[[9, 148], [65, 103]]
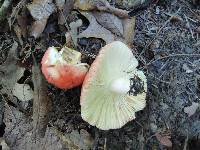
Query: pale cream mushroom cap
[[106, 101]]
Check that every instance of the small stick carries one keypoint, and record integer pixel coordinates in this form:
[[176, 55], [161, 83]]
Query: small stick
[[41, 103]]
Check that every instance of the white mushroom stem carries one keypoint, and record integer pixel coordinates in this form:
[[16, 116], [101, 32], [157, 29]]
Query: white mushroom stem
[[120, 85]]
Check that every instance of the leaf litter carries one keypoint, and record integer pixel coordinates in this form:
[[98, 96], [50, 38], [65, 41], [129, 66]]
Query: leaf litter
[[95, 29], [166, 73], [40, 11], [10, 71]]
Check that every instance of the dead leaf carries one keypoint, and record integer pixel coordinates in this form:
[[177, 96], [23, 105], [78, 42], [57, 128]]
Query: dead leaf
[[38, 27], [164, 139], [10, 72], [18, 32], [96, 30], [22, 21], [3, 144], [82, 140], [19, 134], [40, 11], [110, 22], [129, 29], [64, 8], [68, 39], [190, 110], [23, 92], [101, 5], [85, 4], [41, 103], [74, 30]]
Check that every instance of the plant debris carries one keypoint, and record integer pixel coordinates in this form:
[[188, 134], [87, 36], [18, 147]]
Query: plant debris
[[110, 22], [23, 92], [41, 103], [95, 29], [10, 71], [190, 110], [40, 11]]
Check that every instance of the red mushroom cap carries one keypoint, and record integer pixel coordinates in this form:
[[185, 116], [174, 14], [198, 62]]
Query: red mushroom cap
[[63, 69]]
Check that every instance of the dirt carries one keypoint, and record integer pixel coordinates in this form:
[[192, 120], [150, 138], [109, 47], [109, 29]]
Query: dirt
[[167, 45]]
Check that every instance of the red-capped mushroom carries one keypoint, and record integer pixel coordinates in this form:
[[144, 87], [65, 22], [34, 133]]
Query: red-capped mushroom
[[63, 69]]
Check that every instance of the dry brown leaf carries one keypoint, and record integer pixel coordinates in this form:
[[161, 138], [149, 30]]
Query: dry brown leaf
[[68, 40], [164, 139], [38, 27], [101, 5], [129, 29], [22, 21], [64, 8], [10, 72], [74, 30], [110, 22], [190, 110], [18, 32], [96, 30], [85, 4], [40, 11], [41, 103], [19, 135]]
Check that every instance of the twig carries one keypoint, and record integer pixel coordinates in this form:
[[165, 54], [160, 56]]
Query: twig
[[41, 103]]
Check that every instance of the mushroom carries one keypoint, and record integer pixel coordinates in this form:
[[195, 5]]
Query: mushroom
[[113, 89], [63, 69]]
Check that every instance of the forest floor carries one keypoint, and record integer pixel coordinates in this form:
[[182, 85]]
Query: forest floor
[[165, 42]]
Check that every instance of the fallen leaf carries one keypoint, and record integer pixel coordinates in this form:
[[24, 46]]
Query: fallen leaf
[[38, 27], [110, 22], [164, 140], [64, 8], [23, 92], [3, 144], [40, 11], [190, 110], [95, 29], [101, 5], [19, 134], [74, 30], [18, 32], [10, 71], [68, 39], [22, 21], [83, 139], [85, 4]]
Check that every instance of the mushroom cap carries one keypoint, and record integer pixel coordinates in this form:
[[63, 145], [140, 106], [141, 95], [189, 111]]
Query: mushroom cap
[[104, 106], [63, 69]]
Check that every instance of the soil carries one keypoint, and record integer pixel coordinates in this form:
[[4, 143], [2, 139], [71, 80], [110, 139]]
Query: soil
[[167, 45]]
